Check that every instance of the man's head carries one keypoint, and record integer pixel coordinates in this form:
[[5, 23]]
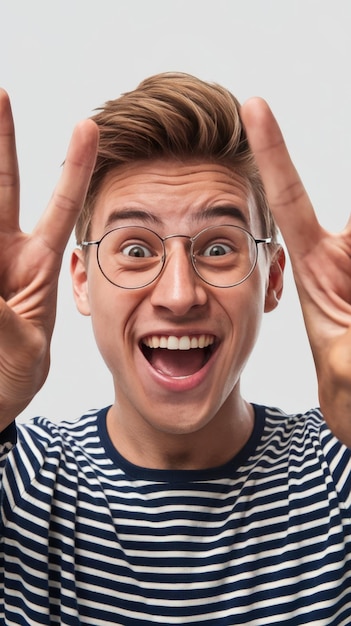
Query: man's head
[[176, 325], [174, 116]]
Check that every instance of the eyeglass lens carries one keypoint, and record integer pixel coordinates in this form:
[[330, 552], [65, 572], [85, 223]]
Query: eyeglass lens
[[133, 257]]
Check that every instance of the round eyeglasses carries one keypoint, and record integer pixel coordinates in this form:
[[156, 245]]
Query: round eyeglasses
[[132, 257]]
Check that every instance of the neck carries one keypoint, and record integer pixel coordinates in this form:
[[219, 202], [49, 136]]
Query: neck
[[210, 446]]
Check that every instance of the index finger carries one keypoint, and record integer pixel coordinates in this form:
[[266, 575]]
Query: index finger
[[286, 194], [9, 177], [57, 223]]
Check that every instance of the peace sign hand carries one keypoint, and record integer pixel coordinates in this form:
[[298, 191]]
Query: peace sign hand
[[321, 262], [30, 264]]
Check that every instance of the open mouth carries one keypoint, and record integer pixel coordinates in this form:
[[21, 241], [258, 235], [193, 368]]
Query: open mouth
[[178, 356]]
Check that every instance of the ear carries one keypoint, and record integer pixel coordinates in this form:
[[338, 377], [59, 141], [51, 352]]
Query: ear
[[80, 281], [275, 280]]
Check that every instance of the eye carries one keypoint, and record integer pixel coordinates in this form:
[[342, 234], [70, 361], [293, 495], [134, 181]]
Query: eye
[[217, 249], [137, 251]]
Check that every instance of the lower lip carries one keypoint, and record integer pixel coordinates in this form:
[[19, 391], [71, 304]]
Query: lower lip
[[181, 383]]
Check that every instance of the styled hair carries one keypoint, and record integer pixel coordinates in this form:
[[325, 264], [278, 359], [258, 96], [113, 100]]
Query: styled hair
[[174, 116]]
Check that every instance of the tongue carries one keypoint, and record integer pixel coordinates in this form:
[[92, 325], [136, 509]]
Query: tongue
[[177, 362]]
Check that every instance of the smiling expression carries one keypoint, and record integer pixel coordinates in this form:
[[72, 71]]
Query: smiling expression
[[176, 348]]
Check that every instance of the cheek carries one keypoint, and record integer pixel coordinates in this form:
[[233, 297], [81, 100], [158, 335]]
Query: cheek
[[245, 303], [112, 313], [245, 308]]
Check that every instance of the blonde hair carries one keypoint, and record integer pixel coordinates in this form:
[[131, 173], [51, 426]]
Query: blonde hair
[[174, 116]]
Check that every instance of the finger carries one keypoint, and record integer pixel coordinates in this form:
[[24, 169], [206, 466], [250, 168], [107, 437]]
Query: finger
[[56, 224], [286, 195], [9, 177]]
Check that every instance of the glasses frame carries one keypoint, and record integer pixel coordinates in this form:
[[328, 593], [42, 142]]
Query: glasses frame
[[97, 243]]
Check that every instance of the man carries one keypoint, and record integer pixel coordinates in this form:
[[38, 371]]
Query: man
[[182, 503]]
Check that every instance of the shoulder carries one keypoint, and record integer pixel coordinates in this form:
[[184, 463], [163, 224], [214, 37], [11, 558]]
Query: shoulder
[[291, 425], [299, 429], [41, 438], [46, 454], [309, 448], [285, 429], [42, 428]]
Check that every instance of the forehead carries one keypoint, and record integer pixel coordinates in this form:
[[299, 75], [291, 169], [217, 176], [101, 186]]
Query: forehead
[[172, 193]]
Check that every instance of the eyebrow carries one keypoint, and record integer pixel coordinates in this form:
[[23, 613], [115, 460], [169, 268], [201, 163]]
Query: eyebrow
[[132, 214], [231, 211], [147, 217]]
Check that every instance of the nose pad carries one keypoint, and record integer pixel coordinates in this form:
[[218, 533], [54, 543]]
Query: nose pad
[[178, 287]]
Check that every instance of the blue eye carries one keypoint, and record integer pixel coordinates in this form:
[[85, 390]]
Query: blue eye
[[217, 249], [137, 251]]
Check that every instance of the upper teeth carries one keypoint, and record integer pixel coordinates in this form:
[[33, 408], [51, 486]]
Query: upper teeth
[[178, 343]]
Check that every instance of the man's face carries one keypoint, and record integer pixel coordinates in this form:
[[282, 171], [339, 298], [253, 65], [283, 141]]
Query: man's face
[[173, 390]]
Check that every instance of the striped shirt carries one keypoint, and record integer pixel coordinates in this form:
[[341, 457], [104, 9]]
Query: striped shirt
[[89, 538]]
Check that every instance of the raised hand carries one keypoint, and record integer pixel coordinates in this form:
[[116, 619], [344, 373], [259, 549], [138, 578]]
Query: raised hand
[[30, 264], [321, 263]]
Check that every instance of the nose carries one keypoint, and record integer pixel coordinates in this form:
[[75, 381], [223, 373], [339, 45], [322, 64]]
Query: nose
[[178, 288]]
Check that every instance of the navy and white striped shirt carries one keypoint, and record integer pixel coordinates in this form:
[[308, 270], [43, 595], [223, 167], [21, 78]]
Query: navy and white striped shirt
[[89, 538]]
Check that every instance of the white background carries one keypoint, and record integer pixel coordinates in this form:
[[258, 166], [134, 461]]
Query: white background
[[61, 59]]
